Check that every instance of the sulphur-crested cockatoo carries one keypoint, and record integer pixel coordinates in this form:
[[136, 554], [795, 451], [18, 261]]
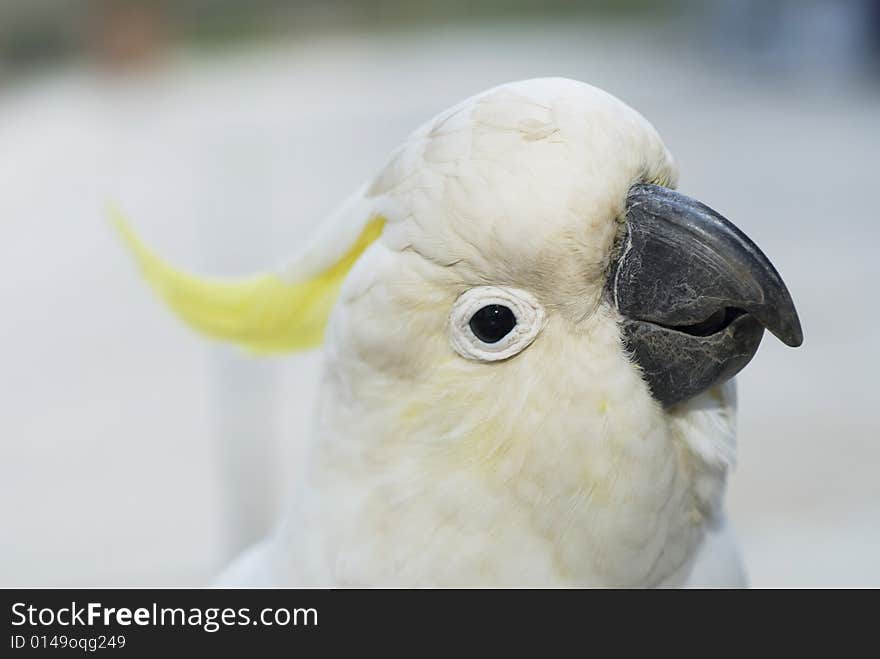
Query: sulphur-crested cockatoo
[[529, 339]]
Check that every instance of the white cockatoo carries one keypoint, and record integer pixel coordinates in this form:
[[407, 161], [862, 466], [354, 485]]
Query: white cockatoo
[[529, 339]]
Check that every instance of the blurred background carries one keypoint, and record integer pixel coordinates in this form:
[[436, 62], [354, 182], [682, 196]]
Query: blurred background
[[134, 453]]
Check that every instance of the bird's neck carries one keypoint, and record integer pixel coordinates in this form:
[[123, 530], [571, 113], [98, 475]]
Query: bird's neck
[[601, 498]]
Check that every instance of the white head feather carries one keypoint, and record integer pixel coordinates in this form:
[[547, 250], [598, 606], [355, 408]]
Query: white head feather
[[552, 466]]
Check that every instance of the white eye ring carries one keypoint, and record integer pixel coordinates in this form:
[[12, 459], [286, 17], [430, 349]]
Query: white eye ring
[[530, 320]]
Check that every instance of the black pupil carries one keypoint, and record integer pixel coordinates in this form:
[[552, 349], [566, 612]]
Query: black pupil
[[492, 323]]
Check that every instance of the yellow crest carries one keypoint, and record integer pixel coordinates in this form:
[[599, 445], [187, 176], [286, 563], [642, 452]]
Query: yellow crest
[[263, 313]]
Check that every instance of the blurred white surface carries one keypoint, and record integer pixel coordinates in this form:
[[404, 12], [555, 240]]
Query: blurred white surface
[[114, 415]]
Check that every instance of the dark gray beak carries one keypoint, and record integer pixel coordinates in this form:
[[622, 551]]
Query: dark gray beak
[[695, 294]]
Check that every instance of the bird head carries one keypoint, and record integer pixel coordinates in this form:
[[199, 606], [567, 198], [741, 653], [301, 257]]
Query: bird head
[[522, 256]]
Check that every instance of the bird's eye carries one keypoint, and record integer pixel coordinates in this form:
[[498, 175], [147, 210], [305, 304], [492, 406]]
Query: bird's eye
[[492, 323], [489, 323]]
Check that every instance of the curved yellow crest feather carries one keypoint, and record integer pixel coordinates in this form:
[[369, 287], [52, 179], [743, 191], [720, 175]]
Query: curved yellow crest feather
[[264, 313]]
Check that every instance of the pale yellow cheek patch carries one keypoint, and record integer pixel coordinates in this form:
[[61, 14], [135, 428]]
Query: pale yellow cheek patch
[[263, 313]]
